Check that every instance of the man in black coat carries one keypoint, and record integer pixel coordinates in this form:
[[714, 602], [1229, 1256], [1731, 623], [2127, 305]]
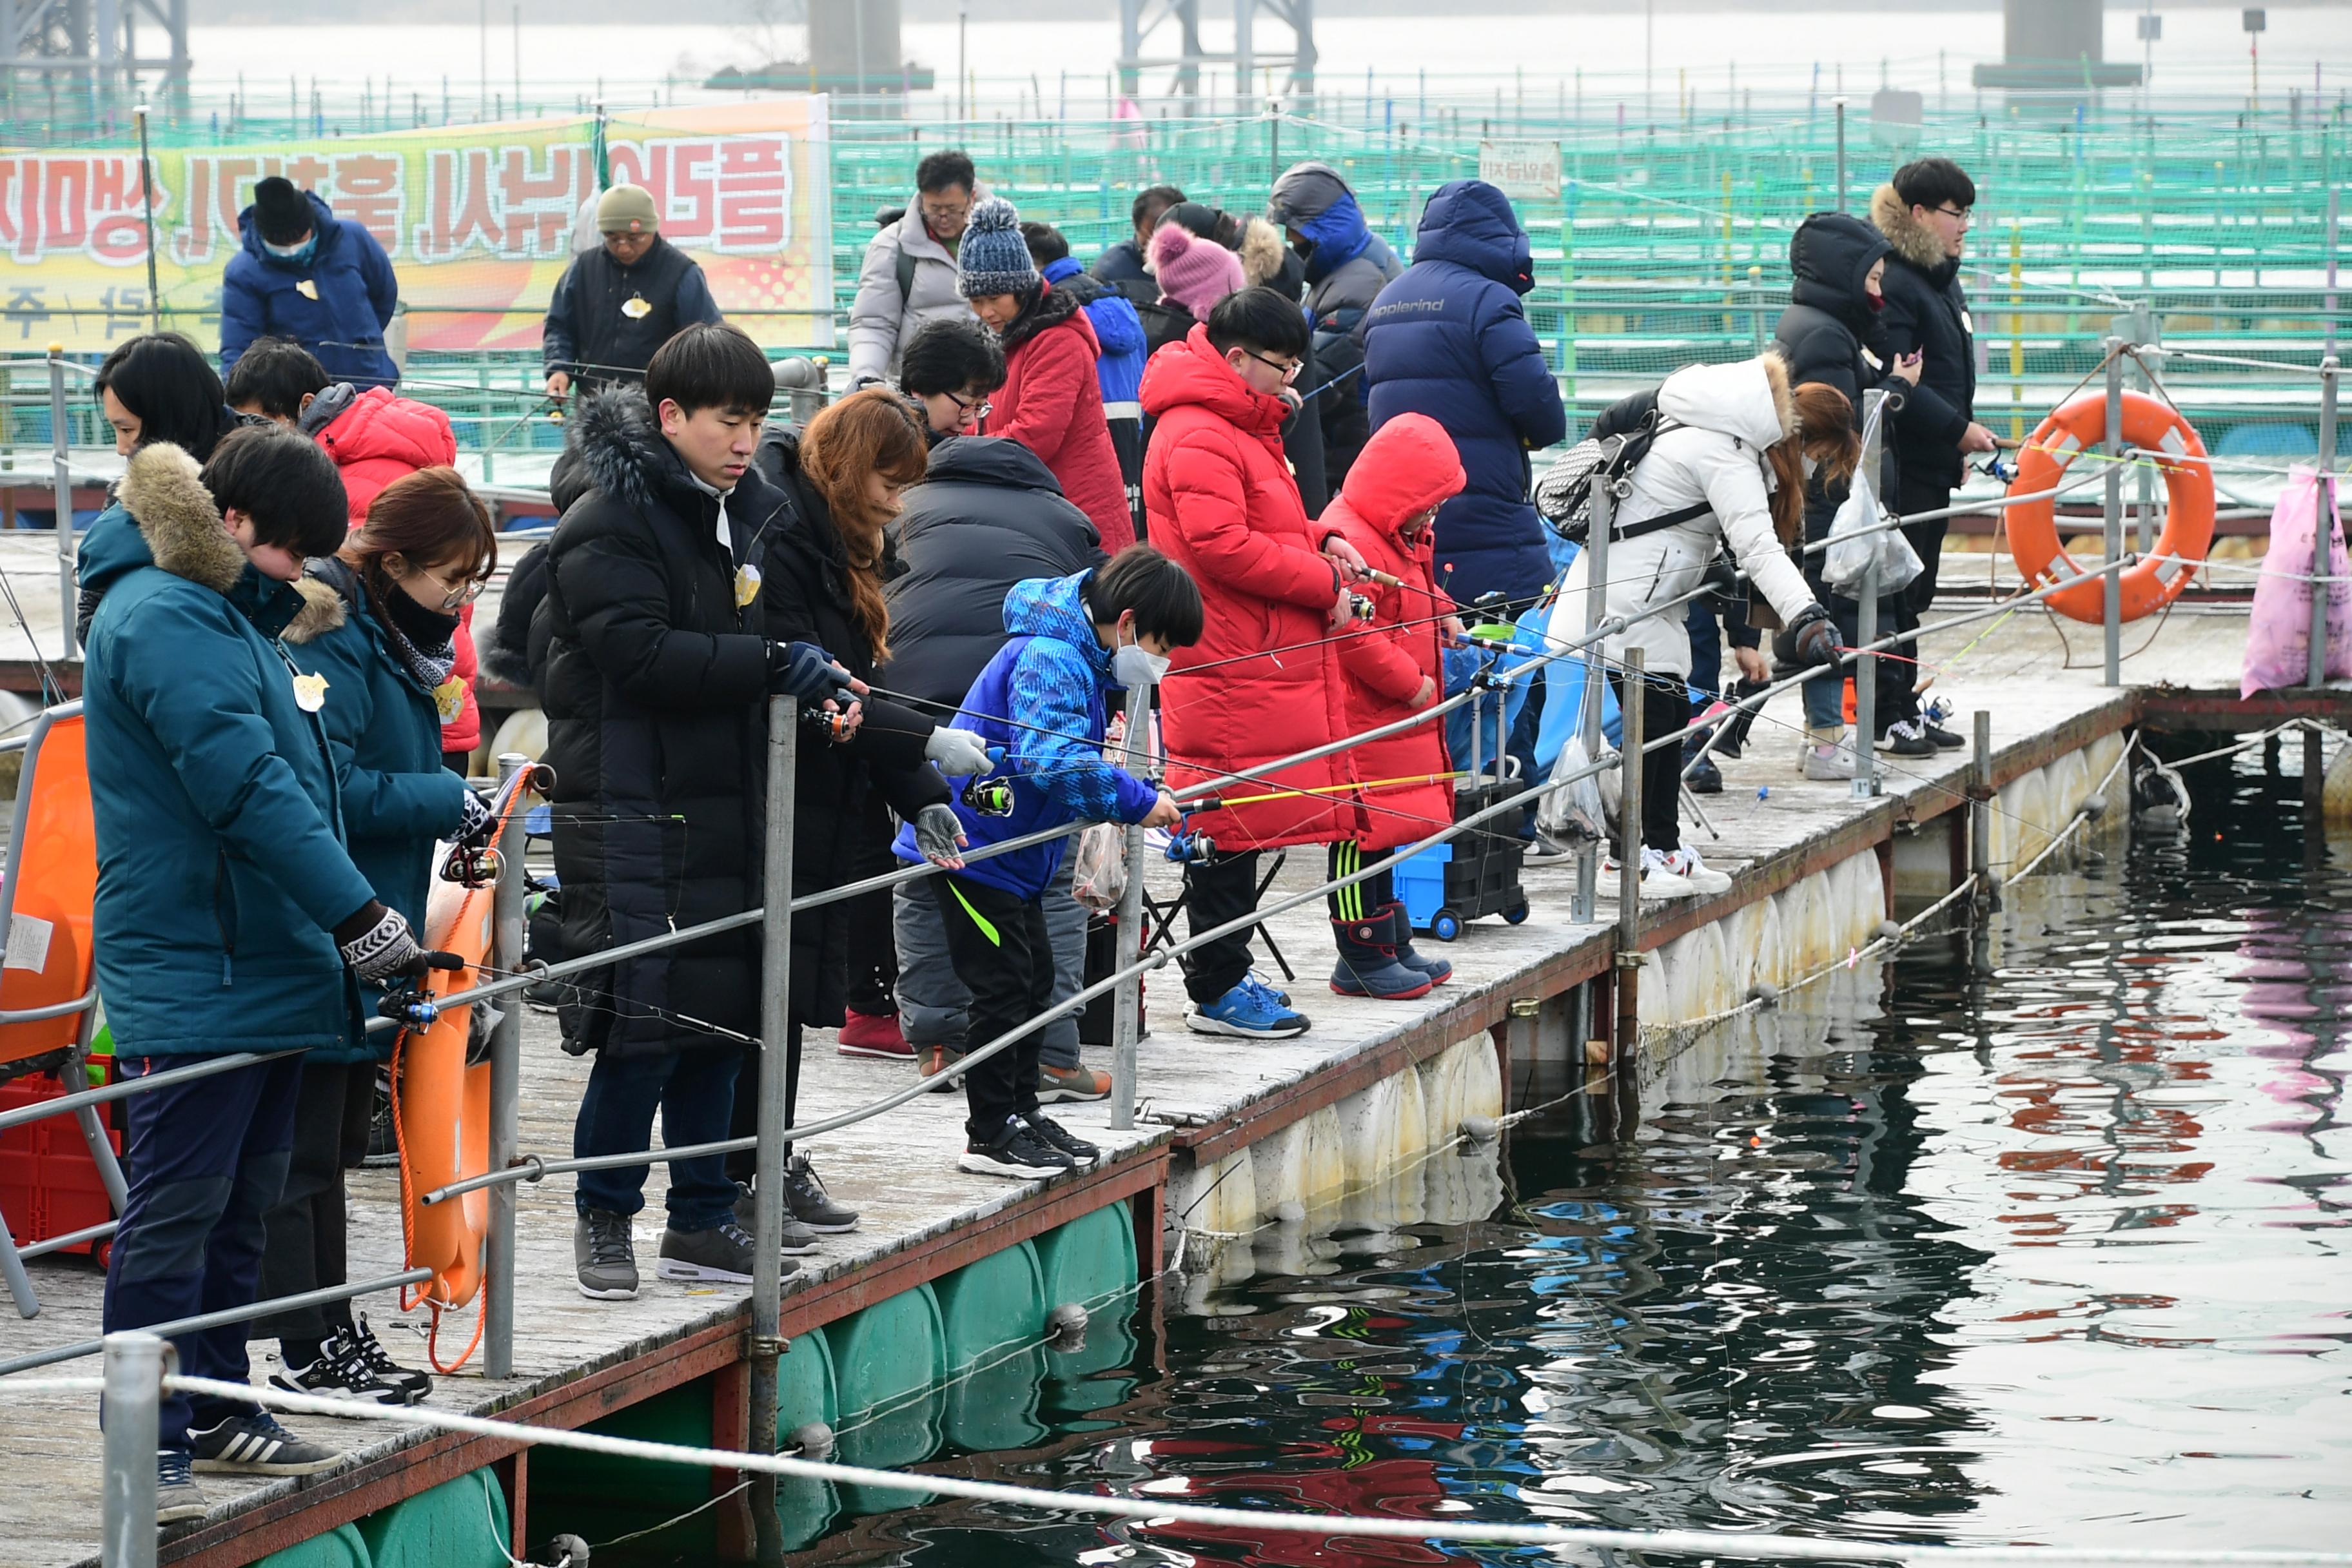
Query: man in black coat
[[1924, 214], [655, 687], [988, 515], [1121, 265], [615, 305], [1828, 333]]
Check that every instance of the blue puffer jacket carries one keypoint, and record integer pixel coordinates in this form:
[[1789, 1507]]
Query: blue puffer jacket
[[1449, 340], [1049, 681], [221, 867], [384, 735], [336, 304], [1119, 331]]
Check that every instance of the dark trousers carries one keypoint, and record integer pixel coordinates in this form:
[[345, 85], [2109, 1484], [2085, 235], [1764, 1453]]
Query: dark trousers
[[1001, 951], [1358, 900], [458, 763], [1665, 711], [1127, 442], [1825, 694], [695, 1092], [744, 1121], [1217, 890], [205, 1161], [873, 940], [1926, 538], [1706, 634], [305, 1248]]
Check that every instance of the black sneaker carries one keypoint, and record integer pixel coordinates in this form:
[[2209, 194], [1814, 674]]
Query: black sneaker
[[719, 1255], [412, 1384], [256, 1445], [604, 1256], [1700, 775], [1943, 739], [805, 1196], [177, 1500], [1017, 1153], [1907, 738], [1054, 1135], [337, 1372], [799, 1239]]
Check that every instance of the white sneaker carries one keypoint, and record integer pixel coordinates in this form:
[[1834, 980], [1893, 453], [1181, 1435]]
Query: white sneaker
[[1685, 863], [1658, 879], [1829, 761]]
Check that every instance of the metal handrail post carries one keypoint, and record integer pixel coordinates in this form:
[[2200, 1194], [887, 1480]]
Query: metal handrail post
[[2112, 598], [1596, 610], [62, 482], [1126, 1002], [1980, 812], [1864, 784], [506, 1088], [2323, 530], [1630, 710], [134, 1391], [765, 1346]]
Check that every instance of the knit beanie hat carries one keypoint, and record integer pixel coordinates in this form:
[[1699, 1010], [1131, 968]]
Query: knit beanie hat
[[993, 258], [627, 209], [1194, 272], [281, 212]]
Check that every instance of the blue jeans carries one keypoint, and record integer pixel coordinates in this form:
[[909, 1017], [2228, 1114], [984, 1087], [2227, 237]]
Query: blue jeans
[[696, 1092], [204, 1160]]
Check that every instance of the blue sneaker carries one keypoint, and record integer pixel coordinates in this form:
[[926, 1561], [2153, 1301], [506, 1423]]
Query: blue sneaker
[[1256, 982], [1249, 1012]]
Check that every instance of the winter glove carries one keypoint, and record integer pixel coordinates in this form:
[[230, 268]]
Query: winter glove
[[474, 830], [1811, 639], [939, 836], [958, 753], [379, 946], [804, 671]]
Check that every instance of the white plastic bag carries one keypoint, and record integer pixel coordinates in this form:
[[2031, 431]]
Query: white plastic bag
[[1859, 536], [1099, 875], [1573, 814]]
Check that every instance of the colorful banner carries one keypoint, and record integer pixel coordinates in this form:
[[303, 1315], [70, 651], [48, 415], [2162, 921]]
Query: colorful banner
[[479, 220]]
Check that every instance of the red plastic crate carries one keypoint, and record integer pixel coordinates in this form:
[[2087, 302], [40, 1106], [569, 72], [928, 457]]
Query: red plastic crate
[[48, 1182]]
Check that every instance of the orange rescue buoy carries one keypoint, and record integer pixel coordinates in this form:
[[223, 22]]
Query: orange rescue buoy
[[2156, 580]]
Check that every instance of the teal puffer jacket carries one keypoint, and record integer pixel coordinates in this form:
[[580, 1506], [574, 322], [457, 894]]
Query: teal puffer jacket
[[221, 867], [384, 733]]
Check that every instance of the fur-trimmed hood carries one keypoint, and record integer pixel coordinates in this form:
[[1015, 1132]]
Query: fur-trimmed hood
[[163, 490], [1748, 400], [324, 608], [1261, 251], [1913, 241], [620, 444]]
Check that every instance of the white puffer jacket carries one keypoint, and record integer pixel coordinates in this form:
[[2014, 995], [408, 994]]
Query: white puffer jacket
[[1721, 417]]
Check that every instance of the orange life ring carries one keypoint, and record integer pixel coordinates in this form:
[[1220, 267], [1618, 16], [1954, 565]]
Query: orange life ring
[[2156, 579]]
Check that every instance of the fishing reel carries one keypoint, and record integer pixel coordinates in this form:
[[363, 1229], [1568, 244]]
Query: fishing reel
[[472, 866], [834, 725], [988, 796], [1361, 608], [1996, 465], [1184, 846], [409, 1005]]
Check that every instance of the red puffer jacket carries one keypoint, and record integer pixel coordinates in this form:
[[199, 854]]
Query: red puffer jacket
[[382, 437], [1051, 403], [1262, 682], [1407, 468]]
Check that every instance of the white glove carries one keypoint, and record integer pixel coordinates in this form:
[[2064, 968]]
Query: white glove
[[958, 753], [939, 836]]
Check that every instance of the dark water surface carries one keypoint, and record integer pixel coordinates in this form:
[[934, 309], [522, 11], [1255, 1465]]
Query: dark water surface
[[2055, 1254]]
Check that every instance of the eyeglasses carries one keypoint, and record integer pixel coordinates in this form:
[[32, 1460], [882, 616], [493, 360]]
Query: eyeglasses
[[970, 407], [464, 594], [942, 213], [1963, 214], [1289, 368]]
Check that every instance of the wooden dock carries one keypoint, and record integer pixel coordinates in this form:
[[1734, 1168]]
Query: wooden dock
[[578, 1360]]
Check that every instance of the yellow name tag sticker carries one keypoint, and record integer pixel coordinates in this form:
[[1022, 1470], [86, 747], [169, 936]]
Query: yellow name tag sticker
[[636, 308], [307, 289], [747, 584], [309, 692], [449, 698], [1968, 323], [1876, 363]]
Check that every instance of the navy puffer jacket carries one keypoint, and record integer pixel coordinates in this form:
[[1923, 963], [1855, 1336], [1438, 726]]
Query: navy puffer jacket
[[1449, 340], [336, 302]]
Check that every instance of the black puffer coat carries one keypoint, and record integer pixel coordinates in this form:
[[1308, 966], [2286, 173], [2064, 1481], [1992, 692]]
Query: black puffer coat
[[655, 688], [804, 597], [988, 516], [1926, 311], [1830, 334]]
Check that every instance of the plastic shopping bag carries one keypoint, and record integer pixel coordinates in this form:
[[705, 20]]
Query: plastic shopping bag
[[1573, 813], [2278, 634], [1098, 874]]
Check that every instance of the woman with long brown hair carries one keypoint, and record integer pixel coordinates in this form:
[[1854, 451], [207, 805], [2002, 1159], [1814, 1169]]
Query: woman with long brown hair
[[822, 562], [375, 632]]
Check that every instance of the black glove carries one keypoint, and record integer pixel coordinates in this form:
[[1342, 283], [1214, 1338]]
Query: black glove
[[1811, 639], [804, 671], [474, 830], [379, 946]]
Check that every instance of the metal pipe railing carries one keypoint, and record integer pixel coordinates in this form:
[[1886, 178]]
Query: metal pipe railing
[[221, 1319]]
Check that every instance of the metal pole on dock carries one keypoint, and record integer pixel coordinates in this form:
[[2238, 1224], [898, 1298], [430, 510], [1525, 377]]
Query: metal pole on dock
[[1864, 784], [1980, 813], [2112, 595], [2148, 335], [2323, 532], [134, 1386], [1629, 857], [766, 1343], [1839, 204], [61, 483], [1126, 1002], [1596, 610], [506, 1092]]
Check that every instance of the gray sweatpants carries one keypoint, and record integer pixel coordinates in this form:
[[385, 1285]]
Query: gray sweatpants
[[932, 1002]]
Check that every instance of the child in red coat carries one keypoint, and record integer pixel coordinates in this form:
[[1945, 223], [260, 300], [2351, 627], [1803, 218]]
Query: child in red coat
[[1394, 669]]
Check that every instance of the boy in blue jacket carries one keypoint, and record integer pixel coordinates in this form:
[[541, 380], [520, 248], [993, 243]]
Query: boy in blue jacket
[[1042, 698]]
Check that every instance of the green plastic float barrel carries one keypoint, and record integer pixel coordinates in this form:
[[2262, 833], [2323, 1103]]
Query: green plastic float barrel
[[888, 1362], [992, 1323], [1090, 1262], [460, 1523], [342, 1547], [804, 1393], [599, 1496]]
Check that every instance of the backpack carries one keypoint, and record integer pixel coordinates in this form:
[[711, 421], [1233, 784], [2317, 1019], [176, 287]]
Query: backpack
[[1608, 456]]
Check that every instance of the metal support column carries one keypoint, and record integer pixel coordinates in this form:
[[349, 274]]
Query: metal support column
[[2323, 532], [1596, 610], [134, 1386], [1628, 859], [61, 483], [1865, 784], [2112, 593], [1126, 1001], [766, 1343], [506, 1087], [1987, 892]]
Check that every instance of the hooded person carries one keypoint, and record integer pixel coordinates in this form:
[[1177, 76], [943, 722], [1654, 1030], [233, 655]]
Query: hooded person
[[1347, 266], [1052, 400], [305, 274], [617, 304], [1830, 334], [1449, 339]]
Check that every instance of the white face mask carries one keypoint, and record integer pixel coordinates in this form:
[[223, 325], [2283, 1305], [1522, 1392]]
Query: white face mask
[[1812, 465], [1133, 665]]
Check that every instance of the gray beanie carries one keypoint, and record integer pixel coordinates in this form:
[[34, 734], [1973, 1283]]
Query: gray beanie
[[993, 257]]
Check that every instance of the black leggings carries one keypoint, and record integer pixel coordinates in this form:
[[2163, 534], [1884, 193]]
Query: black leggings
[[1665, 711]]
